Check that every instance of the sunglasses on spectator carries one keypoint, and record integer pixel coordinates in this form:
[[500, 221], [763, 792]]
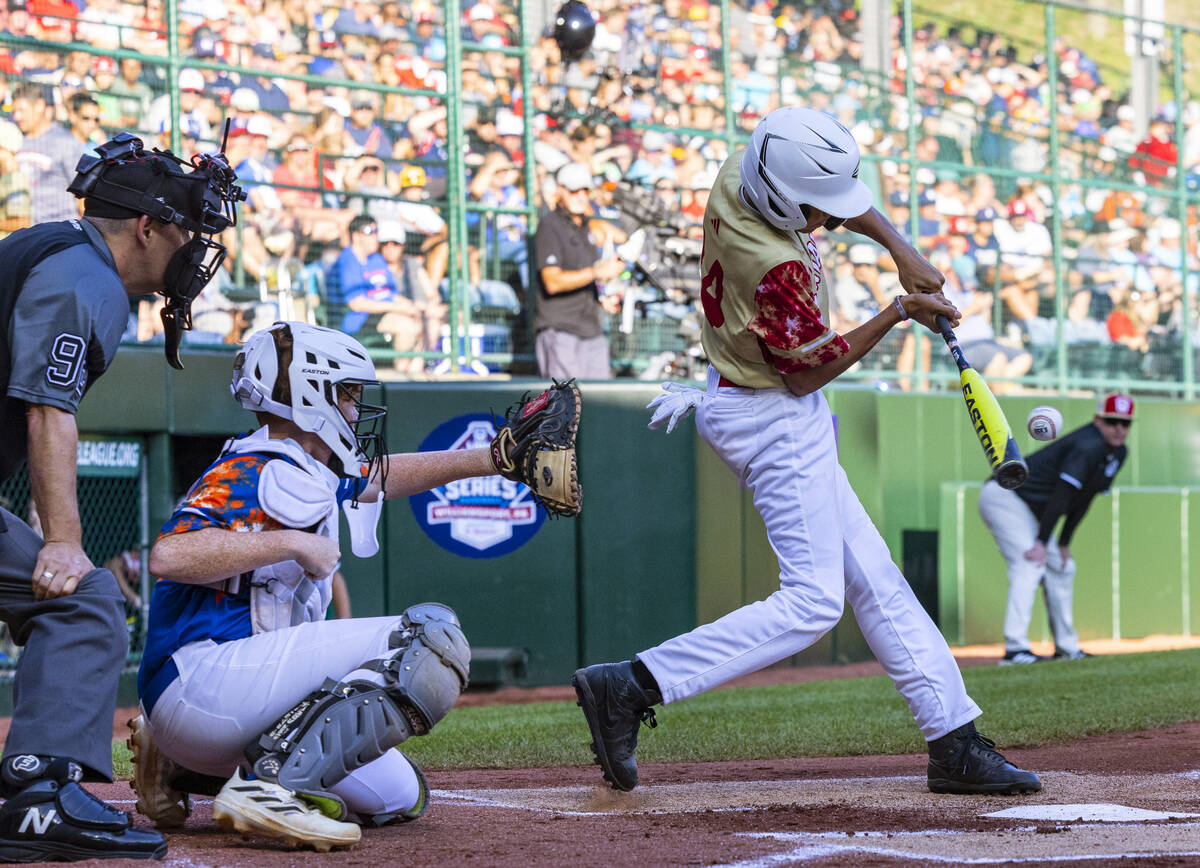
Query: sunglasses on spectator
[[299, 146], [1120, 423], [369, 230]]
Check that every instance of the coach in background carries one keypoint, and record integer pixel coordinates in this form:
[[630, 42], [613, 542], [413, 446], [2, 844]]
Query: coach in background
[[64, 293], [570, 310], [1063, 478]]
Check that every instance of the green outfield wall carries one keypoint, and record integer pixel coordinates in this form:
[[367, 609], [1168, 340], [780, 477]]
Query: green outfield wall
[[667, 538]]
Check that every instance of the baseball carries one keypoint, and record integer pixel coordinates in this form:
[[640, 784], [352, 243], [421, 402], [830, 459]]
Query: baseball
[[1044, 423]]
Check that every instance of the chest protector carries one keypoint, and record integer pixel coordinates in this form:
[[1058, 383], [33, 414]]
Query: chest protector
[[299, 492]]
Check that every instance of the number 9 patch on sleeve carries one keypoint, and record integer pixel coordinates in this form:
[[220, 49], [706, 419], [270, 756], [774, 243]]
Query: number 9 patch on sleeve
[[65, 364]]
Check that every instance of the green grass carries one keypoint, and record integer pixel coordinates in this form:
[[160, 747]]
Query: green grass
[[1022, 706]]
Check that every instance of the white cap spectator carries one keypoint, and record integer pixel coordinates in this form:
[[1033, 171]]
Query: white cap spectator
[[654, 141], [191, 79], [244, 100], [508, 124], [574, 177], [1125, 113], [258, 126], [863, 254], [481, 12], [339, 104], [391, 230]]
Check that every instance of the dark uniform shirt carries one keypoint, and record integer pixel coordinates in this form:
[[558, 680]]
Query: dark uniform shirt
[[64, 327], [1065, 475], [562, 243]]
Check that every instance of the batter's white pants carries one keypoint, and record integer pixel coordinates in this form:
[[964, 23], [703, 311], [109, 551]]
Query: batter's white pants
[[227, 695], [1015, 529], [782, 448]]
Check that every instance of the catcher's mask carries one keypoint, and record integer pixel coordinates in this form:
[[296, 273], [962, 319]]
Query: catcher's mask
[[123, 180], [326, 365]]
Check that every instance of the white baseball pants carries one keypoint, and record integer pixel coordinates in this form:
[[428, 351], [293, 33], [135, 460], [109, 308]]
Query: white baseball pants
[[227, 695], [782, 448], [1015, 529]]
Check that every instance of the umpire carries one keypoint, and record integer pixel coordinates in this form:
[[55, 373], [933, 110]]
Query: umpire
[[64, 297], [1063, 478]]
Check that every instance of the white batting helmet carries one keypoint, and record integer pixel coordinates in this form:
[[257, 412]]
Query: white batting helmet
[[322, 360], [800, 156]]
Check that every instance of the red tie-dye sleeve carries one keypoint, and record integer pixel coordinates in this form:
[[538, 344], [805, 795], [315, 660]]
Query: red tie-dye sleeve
[[788, 323]]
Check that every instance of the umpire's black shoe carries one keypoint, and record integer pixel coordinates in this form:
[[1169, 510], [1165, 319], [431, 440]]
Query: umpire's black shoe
[[963, 761], [53, 822], [615, 705]]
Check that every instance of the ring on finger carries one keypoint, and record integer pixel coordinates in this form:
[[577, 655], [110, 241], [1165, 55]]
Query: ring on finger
[[46, 574]]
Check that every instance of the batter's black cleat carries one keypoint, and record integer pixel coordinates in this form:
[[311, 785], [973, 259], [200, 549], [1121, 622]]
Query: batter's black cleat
[[50, 821], [963, 761], [615, 705]]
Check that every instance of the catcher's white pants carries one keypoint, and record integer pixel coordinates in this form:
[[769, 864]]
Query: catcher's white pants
[[227, 695], [782, 448], [1015, 529]]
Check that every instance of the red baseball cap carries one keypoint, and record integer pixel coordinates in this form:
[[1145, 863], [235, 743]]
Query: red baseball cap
[[1018, 208], [1115, 406]]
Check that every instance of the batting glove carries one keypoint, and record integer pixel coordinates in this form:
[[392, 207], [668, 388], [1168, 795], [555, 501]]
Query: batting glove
[[676, 402]]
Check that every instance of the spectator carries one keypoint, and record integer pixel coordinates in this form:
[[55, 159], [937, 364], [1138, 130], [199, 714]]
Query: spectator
[[136, 95], [104, 75], [365, 134], [496, 184], [1156, 155], [16, 204], [654, 162], [569, 319], [976, 335], [83, 113], [361, 284], [414, 283], [1026, 269], [984, 249], [422, 224], [299, 191], [1121, 135], [47, 157], [192, 116]]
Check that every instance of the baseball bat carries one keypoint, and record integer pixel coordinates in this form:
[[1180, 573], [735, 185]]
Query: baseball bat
[[991, 427]]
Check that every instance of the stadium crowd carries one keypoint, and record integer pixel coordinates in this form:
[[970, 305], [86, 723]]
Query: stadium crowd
[[348, 173]]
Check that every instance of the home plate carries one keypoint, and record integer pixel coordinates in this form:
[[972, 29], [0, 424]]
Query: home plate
[[1104, 812]]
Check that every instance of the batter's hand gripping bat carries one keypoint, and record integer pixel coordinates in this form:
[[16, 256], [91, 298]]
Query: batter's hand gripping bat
[[1008, 467]]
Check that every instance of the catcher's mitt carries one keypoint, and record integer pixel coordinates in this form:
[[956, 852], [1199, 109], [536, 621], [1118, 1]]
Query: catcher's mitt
[[536, 446]]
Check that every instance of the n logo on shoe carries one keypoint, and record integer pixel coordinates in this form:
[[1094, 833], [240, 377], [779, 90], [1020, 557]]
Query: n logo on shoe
[[38, 821]]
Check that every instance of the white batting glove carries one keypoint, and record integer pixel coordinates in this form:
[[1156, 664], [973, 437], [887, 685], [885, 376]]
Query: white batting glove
[[677, 402]]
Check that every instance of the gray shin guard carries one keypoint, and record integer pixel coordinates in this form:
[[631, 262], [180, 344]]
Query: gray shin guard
[[345, 725]]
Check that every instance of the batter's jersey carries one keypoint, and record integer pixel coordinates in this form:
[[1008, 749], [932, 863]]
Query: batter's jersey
[[225, 497], [765, 301]]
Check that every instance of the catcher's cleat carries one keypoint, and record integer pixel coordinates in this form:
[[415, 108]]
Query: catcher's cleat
[[615, 705], [964, 761], [52, 821], [536, 446], [264, 808], [152, 773]]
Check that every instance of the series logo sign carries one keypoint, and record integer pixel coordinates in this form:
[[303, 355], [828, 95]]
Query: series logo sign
[[483, 517]]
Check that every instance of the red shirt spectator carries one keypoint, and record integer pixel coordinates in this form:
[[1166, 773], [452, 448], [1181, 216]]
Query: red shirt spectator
[[1157, 155]]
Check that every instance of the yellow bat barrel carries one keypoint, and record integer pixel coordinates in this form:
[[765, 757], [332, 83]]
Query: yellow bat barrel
[[991, 427]]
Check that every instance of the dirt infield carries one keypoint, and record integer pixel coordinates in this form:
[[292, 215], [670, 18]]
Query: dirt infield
[[860, 810], [1106, 799]]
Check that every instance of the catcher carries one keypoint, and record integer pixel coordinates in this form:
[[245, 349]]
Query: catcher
[[243, 684]]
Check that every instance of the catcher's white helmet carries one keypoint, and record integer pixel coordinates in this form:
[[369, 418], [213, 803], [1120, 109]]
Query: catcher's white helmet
[[798, 157], [322, 361]]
